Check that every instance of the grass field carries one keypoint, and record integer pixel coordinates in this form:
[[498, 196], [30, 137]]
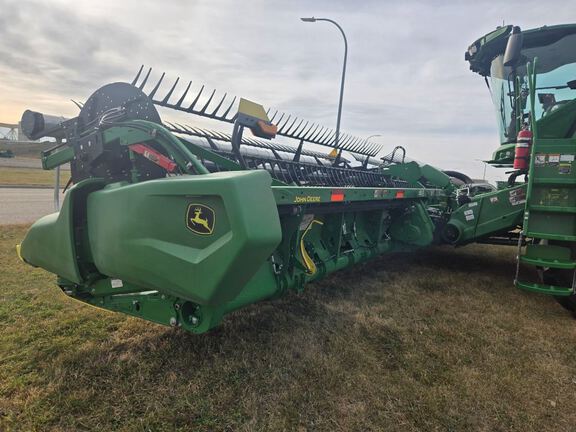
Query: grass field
[[31, 177], [438, 340], [26, 149]]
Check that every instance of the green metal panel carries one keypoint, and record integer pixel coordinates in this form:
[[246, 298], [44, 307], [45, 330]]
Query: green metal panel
[[139, 233], [503, 156], [551, 206], [315, 195], [488, 213], [559, 123], [50, 242], [413, 226], [544, 255], [550, 213]]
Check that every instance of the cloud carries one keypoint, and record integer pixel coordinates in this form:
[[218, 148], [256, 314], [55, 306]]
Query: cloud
[[406, 76]]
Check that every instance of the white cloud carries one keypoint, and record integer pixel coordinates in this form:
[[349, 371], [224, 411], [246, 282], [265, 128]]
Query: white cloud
[[406, 77]]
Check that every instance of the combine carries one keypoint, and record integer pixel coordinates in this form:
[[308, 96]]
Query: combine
[[180, 225], [532, 78]]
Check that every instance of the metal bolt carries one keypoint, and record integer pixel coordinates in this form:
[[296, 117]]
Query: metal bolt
[[173, 322]]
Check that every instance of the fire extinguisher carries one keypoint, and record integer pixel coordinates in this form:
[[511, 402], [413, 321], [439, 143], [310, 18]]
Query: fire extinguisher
[[522, 150]]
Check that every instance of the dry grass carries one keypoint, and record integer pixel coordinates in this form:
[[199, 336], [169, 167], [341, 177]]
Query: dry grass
[[436, 340], [31, 177]]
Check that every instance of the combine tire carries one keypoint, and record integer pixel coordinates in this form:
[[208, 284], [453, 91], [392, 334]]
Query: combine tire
[[563, 278], [457, 178]]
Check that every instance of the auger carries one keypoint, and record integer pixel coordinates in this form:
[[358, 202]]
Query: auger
[[181, 225]]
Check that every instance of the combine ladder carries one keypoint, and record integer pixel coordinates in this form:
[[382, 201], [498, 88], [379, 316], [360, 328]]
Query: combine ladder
[[550, 215]]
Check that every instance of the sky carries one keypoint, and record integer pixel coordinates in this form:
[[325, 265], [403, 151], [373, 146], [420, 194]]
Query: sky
[[406, 77]]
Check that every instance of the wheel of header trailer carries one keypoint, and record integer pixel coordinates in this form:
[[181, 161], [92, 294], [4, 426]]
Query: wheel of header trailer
[[457, 178], [561, 277]]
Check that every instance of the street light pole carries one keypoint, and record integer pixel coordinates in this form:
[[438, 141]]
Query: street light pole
[[312, 19], [485, 165]]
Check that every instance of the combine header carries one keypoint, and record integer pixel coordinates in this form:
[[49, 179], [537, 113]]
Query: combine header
[[180, 225]]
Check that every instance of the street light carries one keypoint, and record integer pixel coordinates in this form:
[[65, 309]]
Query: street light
[[485, 165], [312, 19], [373, 136]]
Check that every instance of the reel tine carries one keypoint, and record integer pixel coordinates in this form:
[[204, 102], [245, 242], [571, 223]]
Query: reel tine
[[135, 80], [279, 120], [195, 101], [314, 138], [350, 145], [364, 149], [143, 83], [203, 110], [298, 132], [371, 153], [157, 86], [194, 131], [341, 138], [179, 103], [273, 117], [353, 145], [347, 142], [184, 129], [322, 138], [227, 137], [191, 130], [78, 104], [332, 140], [167, 97], [220, 135], [373, 149], [213, 114], [290, 127], [367, 148], [287, 125], [223, 116], [359, 147], [309, 132], [188, 130], [281, 128]]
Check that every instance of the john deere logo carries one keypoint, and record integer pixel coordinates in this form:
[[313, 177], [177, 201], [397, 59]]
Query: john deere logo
[[200, 219]]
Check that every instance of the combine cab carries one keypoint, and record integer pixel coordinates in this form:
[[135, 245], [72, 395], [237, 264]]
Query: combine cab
[[532, 77]]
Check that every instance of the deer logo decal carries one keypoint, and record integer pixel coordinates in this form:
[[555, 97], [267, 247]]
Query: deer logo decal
[[200, 219]]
